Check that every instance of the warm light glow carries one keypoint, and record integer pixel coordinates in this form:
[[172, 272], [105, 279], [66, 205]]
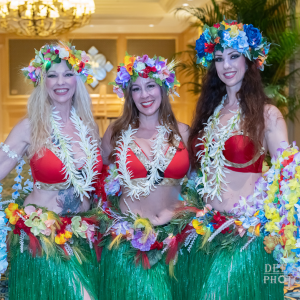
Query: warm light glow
[[44, 17], [185, 4]]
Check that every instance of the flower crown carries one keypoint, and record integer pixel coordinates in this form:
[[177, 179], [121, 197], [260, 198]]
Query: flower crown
[[155, 68], [244, 38], [53, 54]]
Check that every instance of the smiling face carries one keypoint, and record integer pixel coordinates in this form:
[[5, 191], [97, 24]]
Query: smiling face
[[231, 67], [146, 95], [60, 83]]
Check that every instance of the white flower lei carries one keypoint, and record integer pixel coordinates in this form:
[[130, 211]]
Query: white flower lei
[[213, 140], [142, 188], [83, 180]]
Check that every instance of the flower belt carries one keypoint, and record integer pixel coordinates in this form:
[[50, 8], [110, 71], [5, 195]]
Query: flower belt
[[44, 229]]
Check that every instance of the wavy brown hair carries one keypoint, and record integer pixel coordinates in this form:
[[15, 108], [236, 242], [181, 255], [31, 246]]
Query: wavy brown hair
[[252, 101], [130, 116]]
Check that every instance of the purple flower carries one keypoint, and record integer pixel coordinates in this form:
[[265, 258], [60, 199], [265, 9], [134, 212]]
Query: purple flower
[[121, 227], [139, 243], [159, 65], [253, 34], [171, 78], [123, 77], [142, 59]]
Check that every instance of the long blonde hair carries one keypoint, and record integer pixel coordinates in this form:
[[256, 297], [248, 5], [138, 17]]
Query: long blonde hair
[[39, 109]]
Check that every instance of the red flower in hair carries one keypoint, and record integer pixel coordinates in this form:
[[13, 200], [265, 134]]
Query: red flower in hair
[[149, 69], [217, 25], [143, 75], [56, 51], [209, 48], [118, 69], [233, 23]]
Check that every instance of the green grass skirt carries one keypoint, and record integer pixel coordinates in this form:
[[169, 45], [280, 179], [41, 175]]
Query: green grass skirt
[[227, 273], [55, 277], [122, 279]]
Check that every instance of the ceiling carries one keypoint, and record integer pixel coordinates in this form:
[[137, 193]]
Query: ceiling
[[138, 16]]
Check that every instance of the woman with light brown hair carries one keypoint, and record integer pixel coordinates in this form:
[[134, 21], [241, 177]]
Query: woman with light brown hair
[[52, 246], [148, 146]]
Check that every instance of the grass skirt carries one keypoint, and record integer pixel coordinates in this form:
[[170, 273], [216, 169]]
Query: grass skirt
[[122, 279], [55, 277], [228, 273]]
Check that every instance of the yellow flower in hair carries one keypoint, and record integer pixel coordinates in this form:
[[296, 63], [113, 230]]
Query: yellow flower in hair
[[234, 32], [89, 79], [225, 24], [129, 61], [72, 60]]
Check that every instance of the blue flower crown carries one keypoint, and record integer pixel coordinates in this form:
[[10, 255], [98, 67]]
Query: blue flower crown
[[244, 38]]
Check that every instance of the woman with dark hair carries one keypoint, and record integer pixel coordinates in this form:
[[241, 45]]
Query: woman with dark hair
[[148, 146], [244, 216]]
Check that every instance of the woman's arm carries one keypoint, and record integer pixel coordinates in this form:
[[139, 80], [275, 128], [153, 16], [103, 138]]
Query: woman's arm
[[106, 146], [275, 130], [184, 132], [15, 145]]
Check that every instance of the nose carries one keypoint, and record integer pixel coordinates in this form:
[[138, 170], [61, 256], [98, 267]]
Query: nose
[[226, 64], [145, 93], [60, 79]]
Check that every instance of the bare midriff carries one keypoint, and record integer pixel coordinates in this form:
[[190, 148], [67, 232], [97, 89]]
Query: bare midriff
[[60, 202], [238, 185], [158, 207]]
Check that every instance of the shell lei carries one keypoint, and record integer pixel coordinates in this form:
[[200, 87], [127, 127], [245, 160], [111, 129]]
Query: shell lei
[[158, 163], [213, 141], [83, 180]]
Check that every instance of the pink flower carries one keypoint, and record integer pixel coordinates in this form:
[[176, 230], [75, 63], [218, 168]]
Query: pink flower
[[90, 232], [48, 224], [31, 69], [84, 56], [164, 73], [38, 71], [29, 210], [118, 91]]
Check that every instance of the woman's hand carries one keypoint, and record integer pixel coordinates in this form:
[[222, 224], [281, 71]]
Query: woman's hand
[[18, 141], [275, 129]]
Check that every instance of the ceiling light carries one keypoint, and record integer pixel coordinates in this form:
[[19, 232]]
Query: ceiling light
[[151, 25], [185, 4]]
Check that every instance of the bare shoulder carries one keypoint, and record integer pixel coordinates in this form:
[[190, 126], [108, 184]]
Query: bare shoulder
[[22, 131], [184, 131], [272, 116]]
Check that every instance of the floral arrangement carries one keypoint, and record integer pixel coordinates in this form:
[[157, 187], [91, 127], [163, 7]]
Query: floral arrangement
[[156, 68], [46, 226], [49, 54], [3, 234], [244, 38]]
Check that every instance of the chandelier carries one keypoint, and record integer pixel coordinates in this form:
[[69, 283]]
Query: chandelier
[[44, 17]]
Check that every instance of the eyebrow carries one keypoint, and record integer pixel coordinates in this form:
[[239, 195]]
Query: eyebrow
[[228, 53]]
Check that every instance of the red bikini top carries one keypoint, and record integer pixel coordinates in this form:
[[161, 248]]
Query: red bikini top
[[138, 162], [239, 154], [48, 168]]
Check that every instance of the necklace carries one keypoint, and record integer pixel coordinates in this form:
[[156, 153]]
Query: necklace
[[81, 180], [213, 140], [142, 188]]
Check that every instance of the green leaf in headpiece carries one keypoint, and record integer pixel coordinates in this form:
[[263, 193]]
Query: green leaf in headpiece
[[57, 59], [214, 32], [83, 78], [36, 65], [48, 55], [157, 80], [47, 65], [122, 65], [69, 65]]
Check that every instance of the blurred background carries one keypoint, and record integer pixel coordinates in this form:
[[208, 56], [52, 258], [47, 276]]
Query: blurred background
[[106, 29]]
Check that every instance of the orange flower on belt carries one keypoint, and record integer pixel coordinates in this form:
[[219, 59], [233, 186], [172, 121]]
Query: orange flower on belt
[[12, 213], [270, 243], [61, 238]]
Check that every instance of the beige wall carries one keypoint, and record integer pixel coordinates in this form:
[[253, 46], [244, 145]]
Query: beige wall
[[14, 92]]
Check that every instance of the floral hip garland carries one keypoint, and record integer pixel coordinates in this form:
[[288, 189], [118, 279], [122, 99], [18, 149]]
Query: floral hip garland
[[155, 68], [82, 181], [49, 54], [244, 38]]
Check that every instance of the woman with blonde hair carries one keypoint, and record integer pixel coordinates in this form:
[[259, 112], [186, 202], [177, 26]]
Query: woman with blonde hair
[[147, 144], [52, 242]]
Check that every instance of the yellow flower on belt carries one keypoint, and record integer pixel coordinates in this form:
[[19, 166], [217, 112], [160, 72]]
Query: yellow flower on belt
[[12, 213], [200, 229], [63, 237]]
